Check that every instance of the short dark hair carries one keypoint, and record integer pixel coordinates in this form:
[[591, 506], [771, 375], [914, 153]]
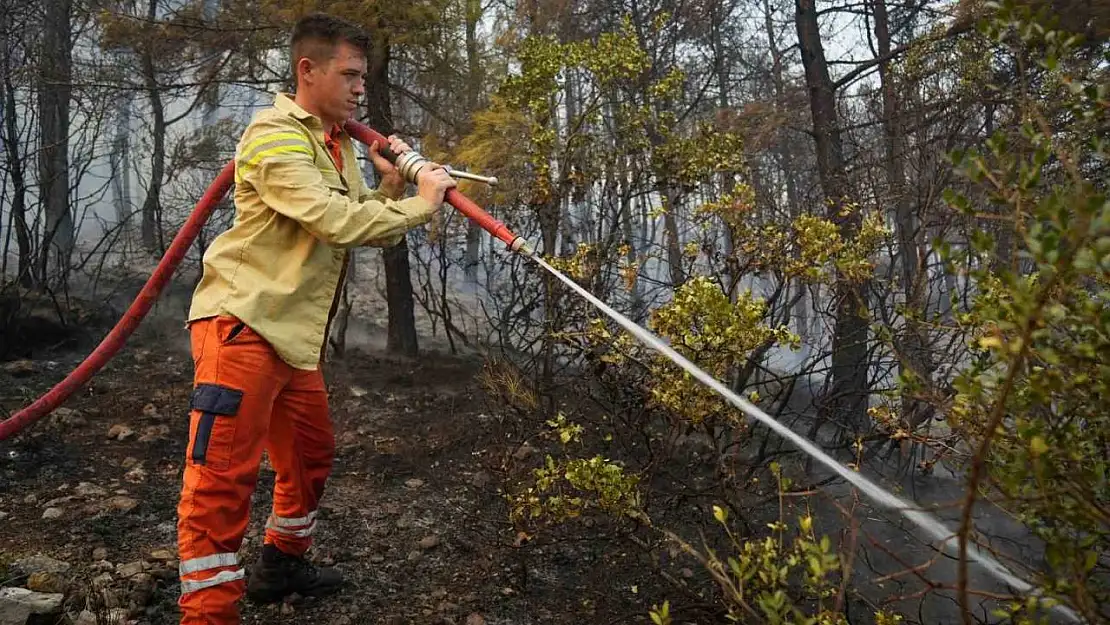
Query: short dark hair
[[316, 36]]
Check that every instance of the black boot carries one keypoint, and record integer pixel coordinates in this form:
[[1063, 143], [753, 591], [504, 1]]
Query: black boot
[[276, 575]]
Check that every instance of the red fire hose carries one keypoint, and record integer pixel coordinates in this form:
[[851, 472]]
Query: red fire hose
[[176, 252]]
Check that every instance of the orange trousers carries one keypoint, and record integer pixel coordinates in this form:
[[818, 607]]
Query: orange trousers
[[245, 400]]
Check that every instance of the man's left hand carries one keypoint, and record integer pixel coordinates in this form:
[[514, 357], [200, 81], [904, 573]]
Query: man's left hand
[[392, 184]]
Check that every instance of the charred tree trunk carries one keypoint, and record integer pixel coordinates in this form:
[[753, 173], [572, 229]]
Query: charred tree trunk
[[25, 268], [849, 347], [152, 205], [401, 335], [54, 94], [474, 70]]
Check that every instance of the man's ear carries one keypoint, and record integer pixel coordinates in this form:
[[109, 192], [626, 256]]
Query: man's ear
[[304, 67]]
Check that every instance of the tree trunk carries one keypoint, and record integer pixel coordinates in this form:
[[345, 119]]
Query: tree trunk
[[401, 335], [25, 268], [152, 205], [914, 354], [474, 70], [849, 347], [54, 94]]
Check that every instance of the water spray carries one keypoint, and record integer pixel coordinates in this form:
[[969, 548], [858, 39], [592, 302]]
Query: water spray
[[410, 164]]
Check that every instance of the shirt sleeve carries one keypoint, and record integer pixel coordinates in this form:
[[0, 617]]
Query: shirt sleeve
[[366, 194], [277, 160]]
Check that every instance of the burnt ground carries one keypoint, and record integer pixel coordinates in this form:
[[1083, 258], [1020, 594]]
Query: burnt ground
[[412, 515]]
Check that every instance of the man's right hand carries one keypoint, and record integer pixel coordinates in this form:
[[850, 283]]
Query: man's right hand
[[432, 183]]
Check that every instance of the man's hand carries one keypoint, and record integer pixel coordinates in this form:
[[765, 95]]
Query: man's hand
[[392, 183], [433, 181]]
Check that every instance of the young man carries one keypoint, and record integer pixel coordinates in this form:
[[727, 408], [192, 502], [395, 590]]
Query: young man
[[258, 323]]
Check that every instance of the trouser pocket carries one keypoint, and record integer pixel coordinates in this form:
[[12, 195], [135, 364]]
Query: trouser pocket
[[213, 412]]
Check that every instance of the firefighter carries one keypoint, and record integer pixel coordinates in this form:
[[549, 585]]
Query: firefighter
[[258, 322]]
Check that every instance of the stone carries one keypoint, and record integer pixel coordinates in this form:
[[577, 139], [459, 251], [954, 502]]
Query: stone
[[154, 432], [414, 556], [45, 582], [19, 368], [100, 553], [150, 410], [40, 563], [475, 619], [131, 569], [3, 515], [85, 489], [430, 542], [102, 581], [414, 483], [85, 618], [120, 503], [163, 555], [136, 475], [57, 502], [31, 499], [524, 451], [120, 432], [16, 603], [51, 514]]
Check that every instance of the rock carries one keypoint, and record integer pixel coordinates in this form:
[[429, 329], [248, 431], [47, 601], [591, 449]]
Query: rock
[[136, 475], [112, 598], [100, 553], [414, 556], [120, 503], [131, 569], [51, 514], [475, 619], [287, 609], [377, 558], [45, 582], [414, 483], [687, 573], [40, 563], [58, 501], [129, 462], [3, 515], [525, 450], [343, 620], [163, 555], [16, 602], [142, 588], [85, 618], [85, 489], [154, 432], [31, 499], [481, 479], [150, 410], [102, 581], [120, 432], [395, 619], [429, 542], [19, 368]]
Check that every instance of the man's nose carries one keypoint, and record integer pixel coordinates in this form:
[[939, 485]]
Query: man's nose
[[359, 88]]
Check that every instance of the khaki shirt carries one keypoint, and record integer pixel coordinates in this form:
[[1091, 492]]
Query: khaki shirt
[[278, 266]]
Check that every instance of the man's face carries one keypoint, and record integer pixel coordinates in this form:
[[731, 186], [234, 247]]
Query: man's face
[[336, 86]]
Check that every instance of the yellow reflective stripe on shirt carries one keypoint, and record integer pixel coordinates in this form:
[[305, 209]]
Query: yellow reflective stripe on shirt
[[274, 143], [271, 144]]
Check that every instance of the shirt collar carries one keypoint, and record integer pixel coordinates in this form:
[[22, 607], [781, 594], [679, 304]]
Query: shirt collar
[[286, 104]]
